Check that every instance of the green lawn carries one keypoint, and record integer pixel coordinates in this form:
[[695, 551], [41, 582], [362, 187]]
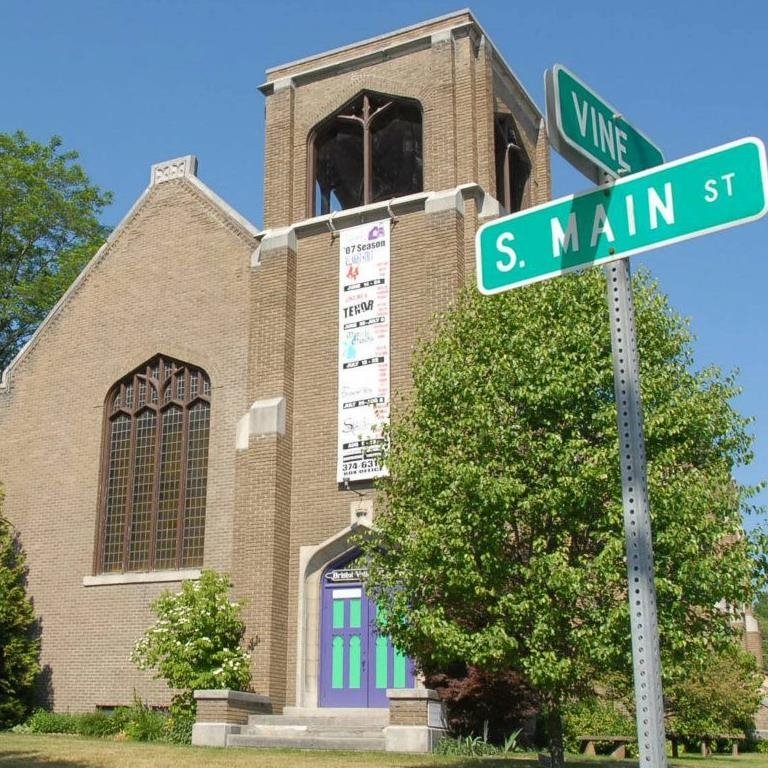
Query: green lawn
[[35, 751]]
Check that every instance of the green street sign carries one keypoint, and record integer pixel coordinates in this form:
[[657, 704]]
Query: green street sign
[[686, 198], [595, 129]]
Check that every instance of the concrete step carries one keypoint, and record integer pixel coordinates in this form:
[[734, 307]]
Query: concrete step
[[348, 713], [310, 741], [315, 729], [377, 718], [342, 729]]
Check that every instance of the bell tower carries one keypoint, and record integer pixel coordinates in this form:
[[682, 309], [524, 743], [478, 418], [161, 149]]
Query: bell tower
[[439, 90], [410, 139]]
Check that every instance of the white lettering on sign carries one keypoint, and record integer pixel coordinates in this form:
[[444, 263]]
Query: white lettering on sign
[[605, 134], [581, 115], [601, 225], [502, 247], [660, 209], [631, 225], [666, 209], [711, 186], [347, 574], [562, 241], [621, 148]]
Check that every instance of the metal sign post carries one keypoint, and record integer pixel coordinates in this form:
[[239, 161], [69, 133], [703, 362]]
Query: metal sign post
[[646, 659], [641, 589]]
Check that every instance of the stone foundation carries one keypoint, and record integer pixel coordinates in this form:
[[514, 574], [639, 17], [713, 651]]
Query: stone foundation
[[416, 720], [224, 712]]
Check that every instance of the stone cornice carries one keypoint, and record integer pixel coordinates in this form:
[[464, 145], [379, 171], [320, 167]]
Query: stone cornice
[[360, 54]]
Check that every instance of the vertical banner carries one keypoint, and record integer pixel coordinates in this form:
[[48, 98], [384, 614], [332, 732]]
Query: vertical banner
[[363, 350]]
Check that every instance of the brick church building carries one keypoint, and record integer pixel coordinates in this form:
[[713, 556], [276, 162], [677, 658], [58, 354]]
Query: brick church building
[[210, 393]]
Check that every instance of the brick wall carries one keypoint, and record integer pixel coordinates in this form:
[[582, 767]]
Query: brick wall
[[457, 83], [175, 281], [408, 712], [230, 707], [260, 547]]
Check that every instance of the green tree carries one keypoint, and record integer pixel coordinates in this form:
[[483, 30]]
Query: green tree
[[761, 614], [499, 536], [196, 643], [720, 697], [48, 231], [19, 643]]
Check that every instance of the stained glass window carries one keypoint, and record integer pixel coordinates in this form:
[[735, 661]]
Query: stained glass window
[[152, 514]]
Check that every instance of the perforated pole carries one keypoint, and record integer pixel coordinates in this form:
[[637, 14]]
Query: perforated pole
[[637, 520]]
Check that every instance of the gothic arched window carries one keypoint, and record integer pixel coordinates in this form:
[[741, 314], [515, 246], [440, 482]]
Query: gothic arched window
[[369, 150], [155, 469]]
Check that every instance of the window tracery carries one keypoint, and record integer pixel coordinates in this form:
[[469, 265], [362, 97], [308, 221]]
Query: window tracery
[[370, 150], [155, 465]]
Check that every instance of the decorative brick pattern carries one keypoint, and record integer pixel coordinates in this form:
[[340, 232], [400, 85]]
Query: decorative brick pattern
[[173, 169]]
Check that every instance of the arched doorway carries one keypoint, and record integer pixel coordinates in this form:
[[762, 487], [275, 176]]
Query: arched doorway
[[357, 664]]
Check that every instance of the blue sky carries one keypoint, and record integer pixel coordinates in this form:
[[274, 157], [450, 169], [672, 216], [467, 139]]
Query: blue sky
[[131, 82]]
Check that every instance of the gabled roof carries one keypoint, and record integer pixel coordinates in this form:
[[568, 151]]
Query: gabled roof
[[184, 168]]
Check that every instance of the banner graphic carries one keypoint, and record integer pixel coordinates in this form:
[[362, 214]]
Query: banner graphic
[[363, 350]]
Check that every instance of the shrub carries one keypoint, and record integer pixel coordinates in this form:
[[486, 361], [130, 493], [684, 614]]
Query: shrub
[[19, 640], [43, 721], [195, 643], [100, 724], [719, 698], [595, 716], [144, 723], [120, 716], [479, 702], [139, 722], [181, 718]]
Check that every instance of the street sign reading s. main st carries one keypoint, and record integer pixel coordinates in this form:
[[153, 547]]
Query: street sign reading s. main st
[[594, 129], [693, 196]]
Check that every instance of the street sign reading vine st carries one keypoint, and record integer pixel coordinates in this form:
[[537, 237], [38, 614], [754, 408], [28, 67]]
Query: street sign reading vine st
[[702, 193], [595, 129]]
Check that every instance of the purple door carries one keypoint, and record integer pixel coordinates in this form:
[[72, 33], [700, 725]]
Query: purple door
[[357, 665]]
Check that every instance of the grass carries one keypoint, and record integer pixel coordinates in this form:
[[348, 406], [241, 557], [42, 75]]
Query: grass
[[25, 750]]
